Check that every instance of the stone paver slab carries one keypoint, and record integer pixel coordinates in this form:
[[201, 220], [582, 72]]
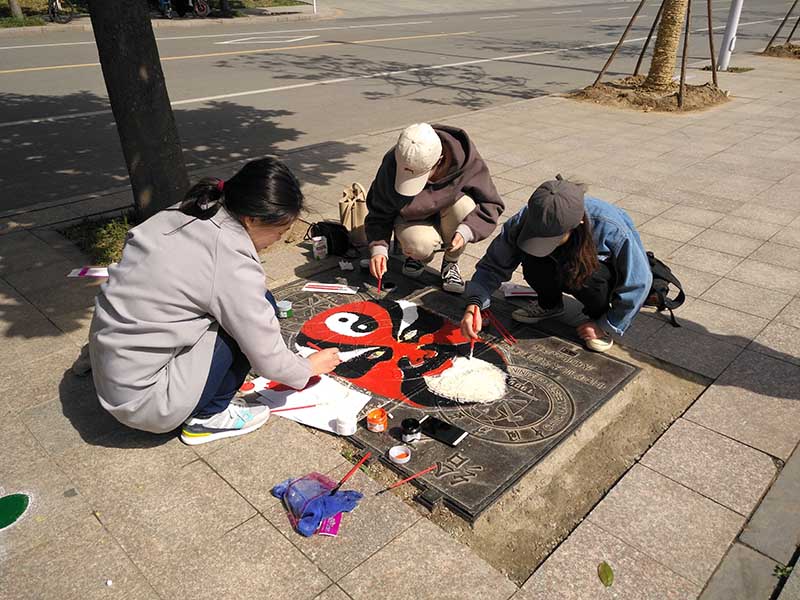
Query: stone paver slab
[[281, 449], [731, 326], [694, 216], [790, 314], [643, 204], [743, 575], [333, 593], [713, 465], [752, 210], [426, 563], [695, 282], [778, 254], [768, 276], [374, 523], [570, 573], [75, 564], [253, 559], [698, 352], [712, 261], [21, 250], [675, 526], [747, 227], [791, 589], [755, 401], [730, 243], [746, 298], [660, 246], [672, 230], [779, 340], [774, 529]]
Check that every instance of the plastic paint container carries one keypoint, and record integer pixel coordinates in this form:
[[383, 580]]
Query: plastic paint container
[[319, 247], [346, 425], [284, 309], [411, 430], [399, 455], [377, 420]]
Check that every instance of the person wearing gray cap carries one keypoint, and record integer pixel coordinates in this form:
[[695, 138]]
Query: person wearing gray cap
[[434, 192], [567, 242]]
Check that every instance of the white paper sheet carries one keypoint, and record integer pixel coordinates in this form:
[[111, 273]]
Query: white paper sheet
[[89, 272], [332, 398], [329, 288]]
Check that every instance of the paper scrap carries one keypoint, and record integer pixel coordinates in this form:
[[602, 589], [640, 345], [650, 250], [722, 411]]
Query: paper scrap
[[330, 526], [332, 399], [89, 272], [330, 288], [514, 290]]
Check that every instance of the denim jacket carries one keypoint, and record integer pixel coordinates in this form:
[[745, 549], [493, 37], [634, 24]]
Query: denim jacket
[[617, 242]]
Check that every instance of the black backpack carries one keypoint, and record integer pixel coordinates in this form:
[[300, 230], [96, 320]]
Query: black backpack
[[659, 293]]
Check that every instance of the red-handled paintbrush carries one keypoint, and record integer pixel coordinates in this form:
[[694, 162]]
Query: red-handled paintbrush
[[407, 479], [350, 473]]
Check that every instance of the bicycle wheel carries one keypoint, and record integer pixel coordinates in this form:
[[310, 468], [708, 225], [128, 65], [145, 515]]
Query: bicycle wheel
[[201, 8], [61, 11]]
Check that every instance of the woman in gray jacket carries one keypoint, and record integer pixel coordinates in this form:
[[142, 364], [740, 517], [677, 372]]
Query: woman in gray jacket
[[186, 312]]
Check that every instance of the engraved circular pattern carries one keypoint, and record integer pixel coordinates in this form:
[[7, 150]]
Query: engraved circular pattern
[[535, 409]]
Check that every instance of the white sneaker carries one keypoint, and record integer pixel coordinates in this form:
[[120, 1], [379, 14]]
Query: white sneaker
[[239, 418], [602, 344], [533, 313]]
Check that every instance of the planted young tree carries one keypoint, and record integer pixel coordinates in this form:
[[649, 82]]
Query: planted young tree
[[16, 11], [665, 52], [140, 103]]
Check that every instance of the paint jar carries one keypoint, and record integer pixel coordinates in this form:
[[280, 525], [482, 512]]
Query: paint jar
[[319, 247], [377, 420], [399, 455], [346, 425], [411, 430], [284, 309]]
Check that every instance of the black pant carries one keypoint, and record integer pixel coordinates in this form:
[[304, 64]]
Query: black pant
[[546, 276]]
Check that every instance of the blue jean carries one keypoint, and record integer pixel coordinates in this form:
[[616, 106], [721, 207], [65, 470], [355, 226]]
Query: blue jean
[[229, 368]]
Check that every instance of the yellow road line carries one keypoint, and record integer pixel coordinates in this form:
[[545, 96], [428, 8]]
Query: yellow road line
[[241, 52]]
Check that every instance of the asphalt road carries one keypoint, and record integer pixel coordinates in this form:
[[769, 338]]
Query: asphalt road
[[242, 91]]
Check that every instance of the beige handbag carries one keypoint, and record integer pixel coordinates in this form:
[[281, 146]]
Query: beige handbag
[[353, 213]]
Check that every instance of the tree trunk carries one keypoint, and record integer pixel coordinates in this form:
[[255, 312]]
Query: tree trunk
[[16, 11], [665, 52], [140, 103]]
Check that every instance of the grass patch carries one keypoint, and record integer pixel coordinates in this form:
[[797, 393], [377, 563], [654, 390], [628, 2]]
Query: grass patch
[[101, 239], [34, 8], [23, 22]]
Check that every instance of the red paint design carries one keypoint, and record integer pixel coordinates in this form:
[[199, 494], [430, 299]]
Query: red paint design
[[247, 386]]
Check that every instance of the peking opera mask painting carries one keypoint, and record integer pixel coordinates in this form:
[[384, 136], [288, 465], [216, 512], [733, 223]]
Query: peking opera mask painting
[[404, 352]]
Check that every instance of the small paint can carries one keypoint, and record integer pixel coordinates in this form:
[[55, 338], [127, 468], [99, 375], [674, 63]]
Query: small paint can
[[319, 247], [399, 455], [284, 309], [346, 425], [377, 420], [411, 430]]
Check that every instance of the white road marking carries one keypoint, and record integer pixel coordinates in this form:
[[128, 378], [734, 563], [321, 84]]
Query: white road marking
[[566, 12], [219, 35], [620, 8], [499, 17], [268, 40], [615, 19], [346, 79]]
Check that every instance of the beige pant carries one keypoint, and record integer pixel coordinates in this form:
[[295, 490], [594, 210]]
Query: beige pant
[[421, 239]]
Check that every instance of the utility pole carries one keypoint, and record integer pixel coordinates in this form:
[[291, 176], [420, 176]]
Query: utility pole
[[729, 41]]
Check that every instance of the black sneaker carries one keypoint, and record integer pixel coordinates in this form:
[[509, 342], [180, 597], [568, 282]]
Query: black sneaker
[[451, 278], [413, 268]]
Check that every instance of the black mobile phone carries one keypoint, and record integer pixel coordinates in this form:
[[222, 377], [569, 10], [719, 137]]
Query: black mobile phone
[[441, 431]]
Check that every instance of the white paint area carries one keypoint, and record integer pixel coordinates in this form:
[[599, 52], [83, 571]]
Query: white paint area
[[469, 380]]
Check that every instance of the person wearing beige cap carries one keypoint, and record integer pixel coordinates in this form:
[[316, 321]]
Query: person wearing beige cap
[[434, 192], [567, 242]]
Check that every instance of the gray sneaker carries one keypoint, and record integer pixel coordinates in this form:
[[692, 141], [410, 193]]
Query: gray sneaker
[[413, 268], [239, 418], [533, 313], [451, 278]]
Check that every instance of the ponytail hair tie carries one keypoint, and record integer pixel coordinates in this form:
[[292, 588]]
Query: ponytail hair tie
[[220, 185]]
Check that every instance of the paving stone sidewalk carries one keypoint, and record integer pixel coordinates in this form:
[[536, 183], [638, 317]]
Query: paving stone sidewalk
[[708, 511]]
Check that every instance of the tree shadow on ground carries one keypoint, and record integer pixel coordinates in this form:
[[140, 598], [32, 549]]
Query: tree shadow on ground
[[39, 165]]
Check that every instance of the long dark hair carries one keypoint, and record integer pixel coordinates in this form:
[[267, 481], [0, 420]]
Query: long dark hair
[[264, 189], [580, 253]]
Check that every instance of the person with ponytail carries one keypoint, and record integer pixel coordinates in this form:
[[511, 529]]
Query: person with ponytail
[[567, 242], [186, 314]]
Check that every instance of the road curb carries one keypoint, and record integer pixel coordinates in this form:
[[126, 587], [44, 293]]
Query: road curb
[[158, 24]]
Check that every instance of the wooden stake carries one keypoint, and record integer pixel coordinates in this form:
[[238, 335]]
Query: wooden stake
[[649, 37], [619, 44], [711, 46], [685, 53], [789, 39], [786, 18]]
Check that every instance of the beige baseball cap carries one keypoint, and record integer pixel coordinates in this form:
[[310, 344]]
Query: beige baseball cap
[[417, 151]]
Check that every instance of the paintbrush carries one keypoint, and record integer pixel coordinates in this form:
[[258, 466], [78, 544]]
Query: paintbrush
[[350, 473], [474, 327], [380, 279], [406, 480], [277, 410]]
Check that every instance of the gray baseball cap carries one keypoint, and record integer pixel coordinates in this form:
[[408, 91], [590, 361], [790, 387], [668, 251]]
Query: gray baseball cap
[[555, 208]]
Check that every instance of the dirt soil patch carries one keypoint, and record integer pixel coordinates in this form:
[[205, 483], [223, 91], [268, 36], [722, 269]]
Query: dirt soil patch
[[783, 51], [628, 93]]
